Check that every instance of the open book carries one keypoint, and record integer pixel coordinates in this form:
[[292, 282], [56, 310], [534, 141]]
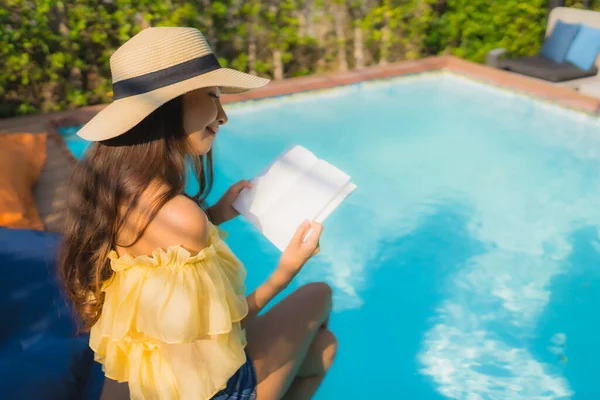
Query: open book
[[297, 186]]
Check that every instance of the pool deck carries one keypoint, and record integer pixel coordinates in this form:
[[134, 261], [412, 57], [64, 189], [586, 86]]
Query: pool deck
[[528, 86]]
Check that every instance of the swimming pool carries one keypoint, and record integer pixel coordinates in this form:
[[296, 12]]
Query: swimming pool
[[466, 263]]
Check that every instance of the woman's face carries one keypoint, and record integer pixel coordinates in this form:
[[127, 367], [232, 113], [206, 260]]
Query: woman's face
[[202, 117]]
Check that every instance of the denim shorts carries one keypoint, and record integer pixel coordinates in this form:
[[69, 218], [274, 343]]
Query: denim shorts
[[242, 385]]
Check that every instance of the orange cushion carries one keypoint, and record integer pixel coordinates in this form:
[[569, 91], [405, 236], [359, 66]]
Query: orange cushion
[[22, 156]]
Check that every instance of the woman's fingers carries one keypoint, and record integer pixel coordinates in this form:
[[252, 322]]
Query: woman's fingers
[[301, 232], [313, 238], [241, 185], [244, 184]]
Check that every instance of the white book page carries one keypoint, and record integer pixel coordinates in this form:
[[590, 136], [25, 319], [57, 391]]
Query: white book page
[[335, 202], [275, 180], [305, 199]]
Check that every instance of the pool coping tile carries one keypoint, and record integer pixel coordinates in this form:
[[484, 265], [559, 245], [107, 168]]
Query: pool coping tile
[[334, 79], [535, 88]]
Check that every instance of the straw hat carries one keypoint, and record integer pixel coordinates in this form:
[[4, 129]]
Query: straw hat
[[155, 66]]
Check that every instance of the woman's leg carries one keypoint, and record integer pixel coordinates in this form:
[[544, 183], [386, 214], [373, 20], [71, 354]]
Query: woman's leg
[[113, 390], [290, 345], [316, 364]]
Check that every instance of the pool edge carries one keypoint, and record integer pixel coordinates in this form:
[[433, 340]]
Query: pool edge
[[533, 88], [539, 90]]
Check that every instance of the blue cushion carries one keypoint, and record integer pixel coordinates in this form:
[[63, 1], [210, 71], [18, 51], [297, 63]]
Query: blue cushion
[[40, 356], [558, 43], [585, 48]]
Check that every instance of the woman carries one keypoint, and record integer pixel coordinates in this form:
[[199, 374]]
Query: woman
[[145, 265]]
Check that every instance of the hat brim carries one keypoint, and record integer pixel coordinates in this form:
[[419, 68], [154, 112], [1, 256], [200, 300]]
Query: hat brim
[[123, 114]]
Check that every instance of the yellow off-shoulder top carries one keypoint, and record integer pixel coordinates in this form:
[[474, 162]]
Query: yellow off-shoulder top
[[170, 324]]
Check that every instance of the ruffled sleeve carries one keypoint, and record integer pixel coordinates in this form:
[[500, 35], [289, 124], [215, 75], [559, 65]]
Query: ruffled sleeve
[[169, 298]]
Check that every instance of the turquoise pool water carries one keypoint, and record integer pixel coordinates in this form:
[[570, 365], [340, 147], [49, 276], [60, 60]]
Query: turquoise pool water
[[466, 265]]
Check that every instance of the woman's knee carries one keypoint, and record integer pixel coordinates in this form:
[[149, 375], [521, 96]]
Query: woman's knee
[[329, 345], [318, 292], [321, 354]]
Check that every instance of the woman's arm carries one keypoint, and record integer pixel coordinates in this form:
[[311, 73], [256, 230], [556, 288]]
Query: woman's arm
[[222, 211], [259, 299], [292, 260]]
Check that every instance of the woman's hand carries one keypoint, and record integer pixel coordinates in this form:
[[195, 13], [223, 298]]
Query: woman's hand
[[299, 251], [292, 260], [222, 211]]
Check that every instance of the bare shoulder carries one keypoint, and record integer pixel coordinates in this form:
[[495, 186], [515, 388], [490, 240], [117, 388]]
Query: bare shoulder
[[179, 222]]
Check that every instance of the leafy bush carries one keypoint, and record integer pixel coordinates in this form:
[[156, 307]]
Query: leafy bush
[[55, 53]]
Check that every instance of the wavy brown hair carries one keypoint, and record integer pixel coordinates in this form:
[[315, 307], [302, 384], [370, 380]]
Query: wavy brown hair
[[106, 187]]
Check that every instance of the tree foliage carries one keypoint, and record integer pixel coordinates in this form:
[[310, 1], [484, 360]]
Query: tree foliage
[[55, 53], [471, 28]]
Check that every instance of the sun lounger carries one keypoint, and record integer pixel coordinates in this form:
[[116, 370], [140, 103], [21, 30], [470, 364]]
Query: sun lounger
[[541, 67]]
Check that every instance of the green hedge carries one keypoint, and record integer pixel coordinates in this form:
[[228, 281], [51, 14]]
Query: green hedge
[[55, 54], [471, 28]]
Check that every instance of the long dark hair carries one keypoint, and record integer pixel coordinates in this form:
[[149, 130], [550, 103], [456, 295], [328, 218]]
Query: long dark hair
[[106, 187]]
